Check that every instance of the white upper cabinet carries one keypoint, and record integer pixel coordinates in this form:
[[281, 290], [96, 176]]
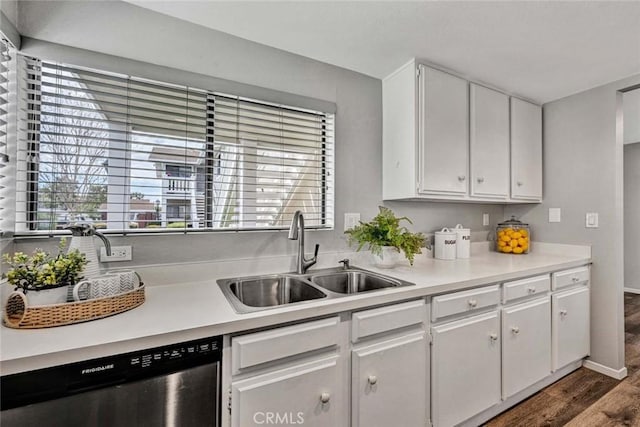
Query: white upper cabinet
[[526, 150], [489, 143], [444, 131], [444, 138]]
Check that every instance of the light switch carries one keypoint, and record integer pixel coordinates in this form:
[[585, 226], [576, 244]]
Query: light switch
[[485, 219], [591, 220], [555, 214], [351, 220]]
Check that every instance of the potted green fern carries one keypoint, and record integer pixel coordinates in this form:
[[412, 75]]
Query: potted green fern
[[386, 238]]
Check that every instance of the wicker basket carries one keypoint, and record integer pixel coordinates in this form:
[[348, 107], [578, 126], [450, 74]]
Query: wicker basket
[[18, 313]]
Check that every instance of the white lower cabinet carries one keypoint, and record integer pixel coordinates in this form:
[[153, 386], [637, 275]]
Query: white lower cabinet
[[389, 366], [526, 345], [484, 351], [389, 382], [465, 368], [570, 326], [309, 394]]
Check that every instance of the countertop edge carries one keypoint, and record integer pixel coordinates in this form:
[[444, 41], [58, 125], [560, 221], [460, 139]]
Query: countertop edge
[[269, 318]]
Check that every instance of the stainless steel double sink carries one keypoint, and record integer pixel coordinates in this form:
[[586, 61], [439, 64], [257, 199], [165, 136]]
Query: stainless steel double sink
[[249, 294]]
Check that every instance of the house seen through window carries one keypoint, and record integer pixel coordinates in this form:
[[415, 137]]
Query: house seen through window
[[134, 155]]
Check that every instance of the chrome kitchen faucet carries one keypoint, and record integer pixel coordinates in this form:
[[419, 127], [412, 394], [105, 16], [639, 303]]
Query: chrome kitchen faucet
[[296, 232]]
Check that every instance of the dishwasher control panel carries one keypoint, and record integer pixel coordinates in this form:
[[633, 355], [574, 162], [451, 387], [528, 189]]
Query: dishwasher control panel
[[64, 380]]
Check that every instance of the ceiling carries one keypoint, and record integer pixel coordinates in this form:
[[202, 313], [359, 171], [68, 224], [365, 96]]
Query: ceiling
[[540, 50]]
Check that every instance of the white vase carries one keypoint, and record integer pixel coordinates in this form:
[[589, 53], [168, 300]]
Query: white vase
[[85, 245], [47, 296], [389, 257]]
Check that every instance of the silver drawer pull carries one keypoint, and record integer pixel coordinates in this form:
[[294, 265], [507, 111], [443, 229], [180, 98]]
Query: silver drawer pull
[[515, 330], [372, 379], [531, 289], [575, 279], [563, 312], [461, 178], [472, 303], [480, 180], [494, 337], [325, 397]]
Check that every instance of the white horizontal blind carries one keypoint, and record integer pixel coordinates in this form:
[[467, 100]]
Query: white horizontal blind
[[132, 155], [270, 162], [6, 62]]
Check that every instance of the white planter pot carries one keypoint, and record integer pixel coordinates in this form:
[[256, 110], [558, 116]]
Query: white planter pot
[[47, 296], [388, 259]]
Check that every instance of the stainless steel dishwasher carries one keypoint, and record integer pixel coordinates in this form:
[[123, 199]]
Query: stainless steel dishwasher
[[175, 385]]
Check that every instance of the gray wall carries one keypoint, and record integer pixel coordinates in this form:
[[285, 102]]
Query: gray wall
[[632, 216], [631, 109], [583, 164], [127, 31]]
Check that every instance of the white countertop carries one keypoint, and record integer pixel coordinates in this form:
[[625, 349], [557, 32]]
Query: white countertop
[[192, 309]]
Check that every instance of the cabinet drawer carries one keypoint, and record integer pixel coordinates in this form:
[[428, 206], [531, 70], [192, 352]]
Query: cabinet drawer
[[465, 301], [261, 347], [526, 287], [383, 319], [562, 279]]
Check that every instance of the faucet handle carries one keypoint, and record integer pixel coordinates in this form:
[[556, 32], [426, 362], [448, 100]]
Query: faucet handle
[[345, 262], [315, 253]]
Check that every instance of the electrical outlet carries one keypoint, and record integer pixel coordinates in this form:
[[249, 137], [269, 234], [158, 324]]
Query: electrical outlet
[[555, 215], [351, 220], [591, 220], [485, 219], [118, 253]]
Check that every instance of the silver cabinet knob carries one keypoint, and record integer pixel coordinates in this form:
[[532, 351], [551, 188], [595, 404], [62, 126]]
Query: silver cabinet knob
[[480, 179], [519, 183], [515, 330], [563, 312], [472, 303], [494, 337], [372, 379], [461, 178], [325, 397], [531, 290]]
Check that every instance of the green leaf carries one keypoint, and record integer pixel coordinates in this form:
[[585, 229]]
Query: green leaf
[[385, 230]]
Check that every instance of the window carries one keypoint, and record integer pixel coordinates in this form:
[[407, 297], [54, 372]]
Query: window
[[133, 155]]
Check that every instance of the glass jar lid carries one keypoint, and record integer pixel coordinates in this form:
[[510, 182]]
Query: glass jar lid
[[513, 221]]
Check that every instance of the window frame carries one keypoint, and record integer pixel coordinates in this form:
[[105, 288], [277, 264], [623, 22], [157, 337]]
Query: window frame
[[210, 165]]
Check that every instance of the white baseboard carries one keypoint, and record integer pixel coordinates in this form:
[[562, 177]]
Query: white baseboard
[[618, 374], [632, 290]]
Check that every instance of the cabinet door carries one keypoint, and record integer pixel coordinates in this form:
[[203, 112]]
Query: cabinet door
[[526, 150], [526, 345], [309, 394], [465, 368], [389, 383], [489, 143], [443, 133], [570, 326]]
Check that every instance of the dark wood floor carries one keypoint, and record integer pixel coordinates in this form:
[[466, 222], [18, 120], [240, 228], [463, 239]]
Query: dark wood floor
[[586, 398]]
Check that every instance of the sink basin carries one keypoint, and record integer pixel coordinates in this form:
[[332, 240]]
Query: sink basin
[[258, 293], [250, 294], [353, 281]]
